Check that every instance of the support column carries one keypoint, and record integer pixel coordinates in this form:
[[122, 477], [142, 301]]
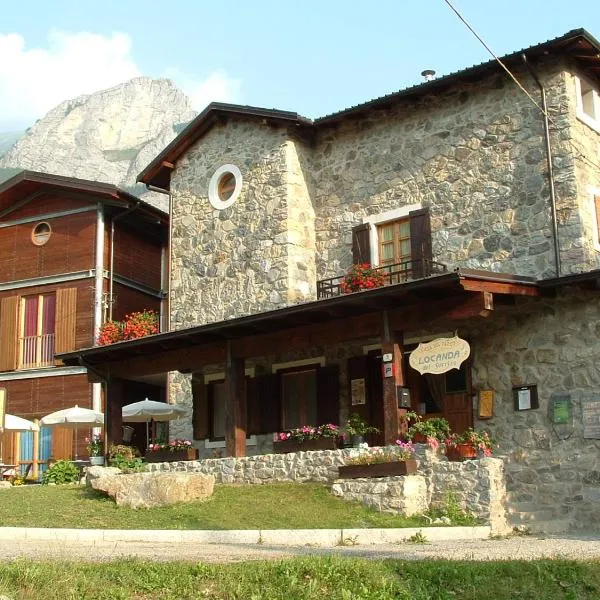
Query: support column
[[113, 412], [235, 416], [391, 345]]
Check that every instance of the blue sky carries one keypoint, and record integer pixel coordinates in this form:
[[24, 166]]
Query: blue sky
[[313, 57]]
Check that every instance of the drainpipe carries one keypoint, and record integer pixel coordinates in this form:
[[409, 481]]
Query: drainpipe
[[112, 257], [98, 298], [557, 266]]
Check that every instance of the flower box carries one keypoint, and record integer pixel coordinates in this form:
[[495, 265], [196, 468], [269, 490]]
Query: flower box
[[461, 452], [171, 455], [388, 469], [286, 446]]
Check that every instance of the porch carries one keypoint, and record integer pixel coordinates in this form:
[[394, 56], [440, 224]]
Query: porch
[[249, 359]]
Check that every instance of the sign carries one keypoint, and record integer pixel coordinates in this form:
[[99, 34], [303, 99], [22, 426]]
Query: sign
[[357, 389], [486, 404], [591, 419], [440, 356], [560, 412]]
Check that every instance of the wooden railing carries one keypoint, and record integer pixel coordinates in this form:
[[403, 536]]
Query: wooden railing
[[396, 273], [37, 351]]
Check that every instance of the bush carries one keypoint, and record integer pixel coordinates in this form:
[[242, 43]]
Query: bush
[[128, 465], [62, 471]]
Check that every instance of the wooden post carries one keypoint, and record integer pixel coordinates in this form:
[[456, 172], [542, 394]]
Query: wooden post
[[393, 347], [235, 415], [113, 412]]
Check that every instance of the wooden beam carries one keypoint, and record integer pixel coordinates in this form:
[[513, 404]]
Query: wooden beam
[[235, 415], [499, 287], [167, 165], [391, 381], [113, 412]]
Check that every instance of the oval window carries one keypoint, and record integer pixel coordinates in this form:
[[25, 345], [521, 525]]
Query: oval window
[[225, 186], [41, 233]]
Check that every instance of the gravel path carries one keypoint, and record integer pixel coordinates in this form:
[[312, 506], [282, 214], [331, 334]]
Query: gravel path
[[515, 548]]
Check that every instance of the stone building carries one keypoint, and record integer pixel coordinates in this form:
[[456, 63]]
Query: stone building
[[483, 217]]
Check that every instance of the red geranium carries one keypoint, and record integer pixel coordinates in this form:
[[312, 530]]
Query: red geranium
[[362, 277]]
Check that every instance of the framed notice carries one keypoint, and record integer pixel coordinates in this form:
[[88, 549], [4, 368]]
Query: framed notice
[[590, 409], [525, 397], [357, 391], [486, 404]]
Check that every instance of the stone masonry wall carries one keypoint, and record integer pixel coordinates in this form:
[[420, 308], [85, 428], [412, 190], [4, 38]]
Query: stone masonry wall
[[478, 484], [552, 484]]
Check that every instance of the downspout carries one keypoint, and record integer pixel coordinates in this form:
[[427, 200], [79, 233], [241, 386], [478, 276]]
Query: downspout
[[98, 298], [557, 265], [112, 257]]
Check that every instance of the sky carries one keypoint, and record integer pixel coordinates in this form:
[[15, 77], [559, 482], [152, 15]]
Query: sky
[[311, 57]]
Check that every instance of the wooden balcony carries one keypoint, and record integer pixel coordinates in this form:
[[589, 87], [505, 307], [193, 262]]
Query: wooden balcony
[[36, 351], [393, 274]]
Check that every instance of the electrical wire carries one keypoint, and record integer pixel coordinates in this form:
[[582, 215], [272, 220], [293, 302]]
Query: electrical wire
[[573, 144]]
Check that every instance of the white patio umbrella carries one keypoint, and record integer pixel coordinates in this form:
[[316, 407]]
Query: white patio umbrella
[[14, 423], [73, 417], [150, 410]]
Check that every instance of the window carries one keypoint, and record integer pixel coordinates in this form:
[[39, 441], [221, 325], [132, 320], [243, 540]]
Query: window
[[394, 242], [299, 398], [41, 234], [36, 340], [225, 186], [588, 103]]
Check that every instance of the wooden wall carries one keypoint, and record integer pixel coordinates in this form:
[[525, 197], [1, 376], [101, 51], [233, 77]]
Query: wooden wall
[[128, 300]]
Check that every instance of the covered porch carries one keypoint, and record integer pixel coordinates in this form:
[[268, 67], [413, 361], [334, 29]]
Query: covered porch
[[244, 379]]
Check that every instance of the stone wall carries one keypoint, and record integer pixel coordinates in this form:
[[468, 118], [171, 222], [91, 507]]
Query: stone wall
[[478, 485]]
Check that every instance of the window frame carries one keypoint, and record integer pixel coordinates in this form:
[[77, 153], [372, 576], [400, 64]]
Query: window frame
[[39, 364], [592, 121]]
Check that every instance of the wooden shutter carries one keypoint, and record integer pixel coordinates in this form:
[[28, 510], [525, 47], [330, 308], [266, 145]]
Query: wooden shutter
[[62, 443], [328, 394], [200, 419], [9, 319], [252, 407], [361, 244], [269, 402], [420, 242], [9, 447], [66, 318]]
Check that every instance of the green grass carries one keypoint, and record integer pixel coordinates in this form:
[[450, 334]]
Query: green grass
[[313, 578], [274, 506]]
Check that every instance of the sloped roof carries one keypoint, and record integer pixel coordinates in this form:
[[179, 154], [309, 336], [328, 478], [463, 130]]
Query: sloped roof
[[580, 44]]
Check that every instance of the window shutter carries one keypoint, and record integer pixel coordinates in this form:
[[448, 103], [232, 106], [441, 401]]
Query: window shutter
[[361, 244], [269, 402], [9, 319], [62, 443], [328, 395], [9, 447], [66, 314], [420, 242], [252, 407], [200, 422]]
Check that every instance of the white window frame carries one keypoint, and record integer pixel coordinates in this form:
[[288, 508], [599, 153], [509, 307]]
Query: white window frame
[[381, 218], [593, 122], [593, 192], [250, 440]]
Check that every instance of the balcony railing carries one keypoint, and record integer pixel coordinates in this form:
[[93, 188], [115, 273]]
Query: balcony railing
[[37, 351], [396, 273]]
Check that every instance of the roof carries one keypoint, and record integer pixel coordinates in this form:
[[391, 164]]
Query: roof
[[584, 48], [308, 313], [26, 183]]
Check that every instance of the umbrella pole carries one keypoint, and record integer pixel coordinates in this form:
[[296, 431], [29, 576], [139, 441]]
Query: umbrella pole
[[75, 441], [147, 435]]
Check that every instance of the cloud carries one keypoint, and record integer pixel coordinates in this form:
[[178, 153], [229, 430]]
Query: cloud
[[35, 80], [217, 87]]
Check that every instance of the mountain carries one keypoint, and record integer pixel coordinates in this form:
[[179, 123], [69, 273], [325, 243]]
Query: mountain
[[7, 139], [109, 136]]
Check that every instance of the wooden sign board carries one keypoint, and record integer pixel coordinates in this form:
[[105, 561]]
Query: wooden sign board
[[440, 355], [486, 404]]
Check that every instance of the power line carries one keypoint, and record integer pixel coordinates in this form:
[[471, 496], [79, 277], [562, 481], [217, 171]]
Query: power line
[[577, 149]]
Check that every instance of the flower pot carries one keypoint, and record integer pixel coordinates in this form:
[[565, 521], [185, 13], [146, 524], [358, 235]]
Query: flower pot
[[419, 438], [97, 461], [461, 452], [171, 455], [357, 440], [286, 446], [389, 469]]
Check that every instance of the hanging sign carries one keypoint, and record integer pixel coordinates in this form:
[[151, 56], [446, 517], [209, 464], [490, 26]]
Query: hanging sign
[[440, 356]]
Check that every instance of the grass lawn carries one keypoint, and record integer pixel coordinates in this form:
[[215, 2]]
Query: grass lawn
[[275, 506], [316, 578]]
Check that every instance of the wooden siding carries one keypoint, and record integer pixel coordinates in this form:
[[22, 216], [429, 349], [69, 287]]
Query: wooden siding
[[48, 203], [84, 323], [70, 248], [128, 300], [137, 258]]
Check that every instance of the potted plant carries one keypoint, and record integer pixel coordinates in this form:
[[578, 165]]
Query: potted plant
[[468, 445], [356, 428], [362, 277], [389, 461], [95, 448], [306, 438], [429, 431], [174, 450]]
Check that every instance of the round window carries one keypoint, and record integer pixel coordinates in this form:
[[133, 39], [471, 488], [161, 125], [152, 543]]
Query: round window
[[225, 186], [41, 234]]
